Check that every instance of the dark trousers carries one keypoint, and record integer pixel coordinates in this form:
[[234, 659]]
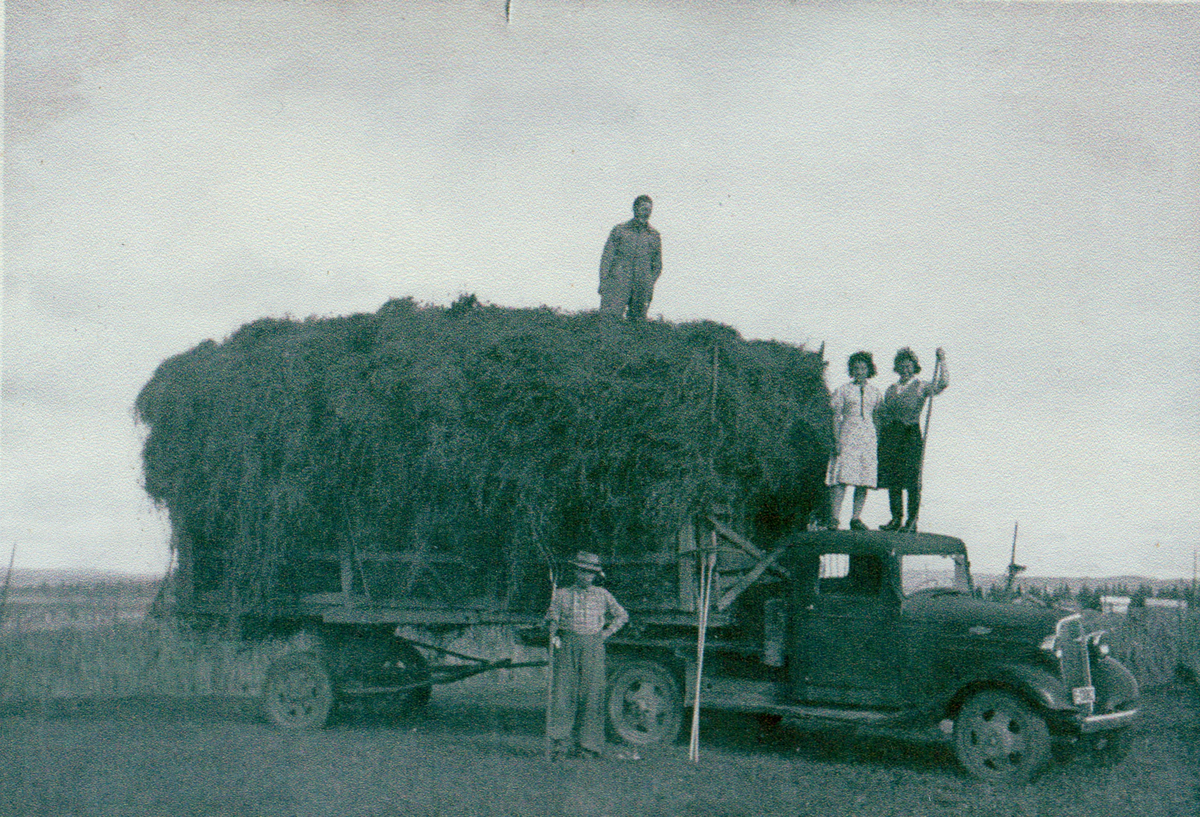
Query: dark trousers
[[577, 697], [626, 292], [896, 501]]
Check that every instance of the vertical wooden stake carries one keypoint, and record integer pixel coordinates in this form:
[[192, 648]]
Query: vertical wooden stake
[[7, 580], [712, 403], [708, 568]]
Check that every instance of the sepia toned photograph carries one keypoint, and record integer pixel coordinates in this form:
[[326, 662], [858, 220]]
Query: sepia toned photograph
[[600, 408]]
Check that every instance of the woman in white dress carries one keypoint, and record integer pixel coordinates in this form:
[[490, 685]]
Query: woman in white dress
[[855, 427]]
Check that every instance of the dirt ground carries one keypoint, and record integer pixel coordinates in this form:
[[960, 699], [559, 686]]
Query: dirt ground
[[478, 753]]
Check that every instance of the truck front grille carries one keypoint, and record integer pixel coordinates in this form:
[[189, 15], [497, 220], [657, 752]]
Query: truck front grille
[[1074, 663]]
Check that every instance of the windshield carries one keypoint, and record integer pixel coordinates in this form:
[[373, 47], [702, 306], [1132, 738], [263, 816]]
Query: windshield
[[927, 571]]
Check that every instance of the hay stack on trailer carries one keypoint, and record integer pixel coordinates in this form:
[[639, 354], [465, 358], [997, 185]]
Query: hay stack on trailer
[[299, 455]]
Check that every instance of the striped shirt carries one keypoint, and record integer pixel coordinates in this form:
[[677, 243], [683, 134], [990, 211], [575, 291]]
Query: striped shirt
[[583, 610]]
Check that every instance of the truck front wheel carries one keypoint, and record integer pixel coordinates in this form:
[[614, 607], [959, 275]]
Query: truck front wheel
[[999, 738], [298, 692], [645, 704]]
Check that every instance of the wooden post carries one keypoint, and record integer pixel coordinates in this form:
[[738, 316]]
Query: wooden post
[[7, 581], [346, 557], [708, 568]]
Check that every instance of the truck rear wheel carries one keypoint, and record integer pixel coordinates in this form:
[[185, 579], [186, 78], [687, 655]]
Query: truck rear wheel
[[999, 738], [298, 692], [645, 704]]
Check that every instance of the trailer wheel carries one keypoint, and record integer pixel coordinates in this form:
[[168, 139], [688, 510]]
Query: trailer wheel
[[644, 704], [297, 692], [381, 660], [999, 738]]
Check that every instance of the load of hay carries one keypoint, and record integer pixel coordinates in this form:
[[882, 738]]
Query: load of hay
[[478, 435]]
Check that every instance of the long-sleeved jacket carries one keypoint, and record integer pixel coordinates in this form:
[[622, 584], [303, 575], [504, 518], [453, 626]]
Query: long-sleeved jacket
[[633, 252]]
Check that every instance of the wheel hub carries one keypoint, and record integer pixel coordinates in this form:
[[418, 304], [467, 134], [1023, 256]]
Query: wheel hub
[[997, 738], [646, 703]]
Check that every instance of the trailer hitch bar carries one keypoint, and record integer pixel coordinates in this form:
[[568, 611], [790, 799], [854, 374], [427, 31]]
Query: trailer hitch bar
[[445, 675]]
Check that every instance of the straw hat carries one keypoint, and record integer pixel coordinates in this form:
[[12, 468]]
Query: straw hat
[[587, 561]]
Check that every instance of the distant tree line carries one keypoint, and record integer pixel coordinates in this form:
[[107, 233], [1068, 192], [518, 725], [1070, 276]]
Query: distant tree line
[[1087, 597]]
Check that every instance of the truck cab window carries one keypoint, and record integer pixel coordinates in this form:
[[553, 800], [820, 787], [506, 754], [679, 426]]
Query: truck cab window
[[927, 572], [844, 574]]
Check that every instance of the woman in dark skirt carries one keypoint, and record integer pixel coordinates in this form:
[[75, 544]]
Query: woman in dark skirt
[[900, 444]]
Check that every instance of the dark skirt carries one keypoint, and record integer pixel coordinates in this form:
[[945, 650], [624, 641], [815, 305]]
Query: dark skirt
[[899, 455]]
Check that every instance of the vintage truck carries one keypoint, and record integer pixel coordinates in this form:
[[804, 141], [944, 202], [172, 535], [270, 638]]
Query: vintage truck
[[854, 627], [882, 629]]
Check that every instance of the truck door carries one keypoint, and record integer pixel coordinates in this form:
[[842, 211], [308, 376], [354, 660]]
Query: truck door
[[845, 633]]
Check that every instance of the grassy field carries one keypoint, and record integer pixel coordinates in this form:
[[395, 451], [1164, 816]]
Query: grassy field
[[104, 712], [478, 754], [79, 640]]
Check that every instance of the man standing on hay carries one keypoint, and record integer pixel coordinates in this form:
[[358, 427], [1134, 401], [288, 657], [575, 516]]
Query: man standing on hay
[[586, 616], [631, 263]]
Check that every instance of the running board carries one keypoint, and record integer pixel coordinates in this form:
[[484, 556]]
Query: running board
[[768, 705]]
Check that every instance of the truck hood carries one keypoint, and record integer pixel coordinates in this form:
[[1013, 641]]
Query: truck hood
[[968, 617]]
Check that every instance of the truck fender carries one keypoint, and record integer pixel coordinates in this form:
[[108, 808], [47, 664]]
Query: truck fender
[[619, 655], [1038, 686], [1116, 686]]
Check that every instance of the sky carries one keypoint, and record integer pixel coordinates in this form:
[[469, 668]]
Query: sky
[[1018, 183]]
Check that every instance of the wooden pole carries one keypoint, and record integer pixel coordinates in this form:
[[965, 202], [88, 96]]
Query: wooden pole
[[1012, 557], [550, 669], [937, 368], [707, 570], [1195, 600], [550, 653], [712, 402], [7, 581], [1013, 567]]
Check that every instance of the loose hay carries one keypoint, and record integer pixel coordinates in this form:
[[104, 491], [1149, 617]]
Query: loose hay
[[476, 433]]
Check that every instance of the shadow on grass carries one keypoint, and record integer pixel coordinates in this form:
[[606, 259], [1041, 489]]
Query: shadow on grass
[[521, 721], [819, 743], [729, 732], [497, 722], [454, 717]]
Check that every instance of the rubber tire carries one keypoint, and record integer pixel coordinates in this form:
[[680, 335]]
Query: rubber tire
[[298, 692], [645, 704], [999, 738], [413, 699], [378, 660]]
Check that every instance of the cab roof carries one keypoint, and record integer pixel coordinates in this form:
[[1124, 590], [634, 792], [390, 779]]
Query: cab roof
[[875, 541]]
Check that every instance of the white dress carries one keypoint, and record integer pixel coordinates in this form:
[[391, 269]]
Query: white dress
[[854, 410]]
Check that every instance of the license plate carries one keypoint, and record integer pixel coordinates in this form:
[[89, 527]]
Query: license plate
[[1083, 695]]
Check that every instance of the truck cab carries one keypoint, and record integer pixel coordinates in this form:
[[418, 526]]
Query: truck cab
[[885, 628]]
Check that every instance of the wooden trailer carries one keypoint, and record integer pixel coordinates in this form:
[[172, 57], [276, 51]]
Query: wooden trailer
[[365, 623]]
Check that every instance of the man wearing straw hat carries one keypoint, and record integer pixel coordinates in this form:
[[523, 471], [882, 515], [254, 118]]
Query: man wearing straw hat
[[581, 617]]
